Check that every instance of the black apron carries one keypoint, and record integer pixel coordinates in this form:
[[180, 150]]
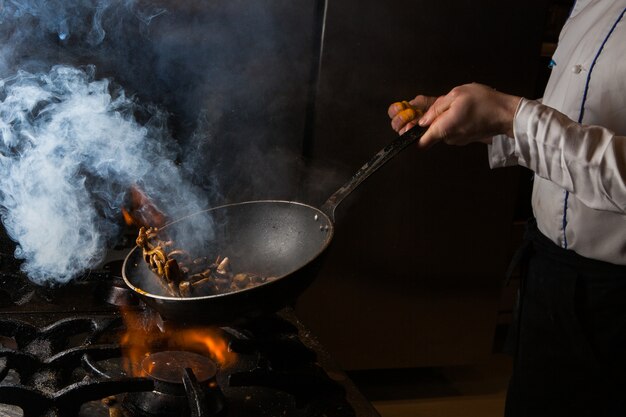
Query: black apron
[[569, 334]]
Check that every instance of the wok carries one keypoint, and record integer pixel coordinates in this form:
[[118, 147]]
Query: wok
[[283, 239]]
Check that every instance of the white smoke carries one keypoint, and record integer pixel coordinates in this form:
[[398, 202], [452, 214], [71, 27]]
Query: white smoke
[[64, 17], [70, 148], [232, 73]]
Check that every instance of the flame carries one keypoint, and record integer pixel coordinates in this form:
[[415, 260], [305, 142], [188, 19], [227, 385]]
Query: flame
[[141, 210], [128, 218], [143, 336]]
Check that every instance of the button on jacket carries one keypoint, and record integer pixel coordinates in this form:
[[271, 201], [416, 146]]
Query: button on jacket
[[574, 139]]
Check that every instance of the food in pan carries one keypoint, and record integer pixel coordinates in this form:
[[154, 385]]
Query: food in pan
[[183, 275]]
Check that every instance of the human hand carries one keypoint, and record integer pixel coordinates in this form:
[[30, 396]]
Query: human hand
[[468, 113]]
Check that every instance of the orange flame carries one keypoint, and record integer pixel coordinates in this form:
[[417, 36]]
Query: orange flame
[[144, 336], [128, 218], [141, 210]]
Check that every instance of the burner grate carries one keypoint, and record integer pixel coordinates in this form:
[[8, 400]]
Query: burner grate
[[74, 367], [42, 375]]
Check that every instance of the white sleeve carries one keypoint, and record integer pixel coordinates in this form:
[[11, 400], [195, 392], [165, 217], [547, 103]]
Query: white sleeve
[[502, 152], [588, 161]]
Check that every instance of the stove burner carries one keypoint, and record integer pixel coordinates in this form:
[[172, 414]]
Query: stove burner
[[184, 385], [169, 366]]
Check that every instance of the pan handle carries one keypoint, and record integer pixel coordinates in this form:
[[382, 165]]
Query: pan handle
[[380, 159]]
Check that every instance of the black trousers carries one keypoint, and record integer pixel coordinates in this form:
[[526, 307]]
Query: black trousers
[[569, 335]]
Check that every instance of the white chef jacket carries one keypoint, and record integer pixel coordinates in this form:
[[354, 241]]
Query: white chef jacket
[[575, 138]]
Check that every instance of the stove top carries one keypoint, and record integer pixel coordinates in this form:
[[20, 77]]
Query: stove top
[[60, 355]]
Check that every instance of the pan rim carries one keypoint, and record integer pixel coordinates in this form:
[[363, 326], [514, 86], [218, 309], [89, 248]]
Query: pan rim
[[329, 235]]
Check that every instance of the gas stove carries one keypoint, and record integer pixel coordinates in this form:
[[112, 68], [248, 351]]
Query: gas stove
[[61, 355]]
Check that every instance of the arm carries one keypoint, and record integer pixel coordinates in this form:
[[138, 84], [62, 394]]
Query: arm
[[502, 150], [588, 161]]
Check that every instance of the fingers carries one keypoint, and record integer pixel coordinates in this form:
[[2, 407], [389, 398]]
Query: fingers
[[422, 103], [437, 108], [439, 123], [396, 108], [405, 116], [442, 130], [407, 127], [433, 135], [423, 110], [399, 106]]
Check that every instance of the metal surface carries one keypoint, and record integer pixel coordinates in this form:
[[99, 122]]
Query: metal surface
[[283, 239], [271, 238]]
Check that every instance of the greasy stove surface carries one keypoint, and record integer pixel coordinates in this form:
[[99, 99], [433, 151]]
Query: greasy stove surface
[[60, 356]]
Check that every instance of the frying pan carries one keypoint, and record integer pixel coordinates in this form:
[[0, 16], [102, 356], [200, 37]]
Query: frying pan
[[283, 239]]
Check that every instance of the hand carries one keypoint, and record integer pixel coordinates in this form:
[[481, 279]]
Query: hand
[[468, 113]]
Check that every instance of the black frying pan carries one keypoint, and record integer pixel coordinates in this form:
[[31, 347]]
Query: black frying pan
[[283, 239]]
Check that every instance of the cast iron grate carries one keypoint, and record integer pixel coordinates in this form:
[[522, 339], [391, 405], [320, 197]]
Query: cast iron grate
[[64, 370], [41, 370]]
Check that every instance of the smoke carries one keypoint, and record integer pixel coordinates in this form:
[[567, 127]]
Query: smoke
[[70, 149], [62, 17], [197, 103]]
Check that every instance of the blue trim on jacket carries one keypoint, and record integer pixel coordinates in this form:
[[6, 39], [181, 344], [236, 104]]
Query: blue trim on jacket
[[581, 114]]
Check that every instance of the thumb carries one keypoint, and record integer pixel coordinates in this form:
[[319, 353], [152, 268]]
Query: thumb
[[435, 133], [429, 138]]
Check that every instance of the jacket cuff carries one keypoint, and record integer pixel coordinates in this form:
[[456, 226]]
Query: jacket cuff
[[502, 152]]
